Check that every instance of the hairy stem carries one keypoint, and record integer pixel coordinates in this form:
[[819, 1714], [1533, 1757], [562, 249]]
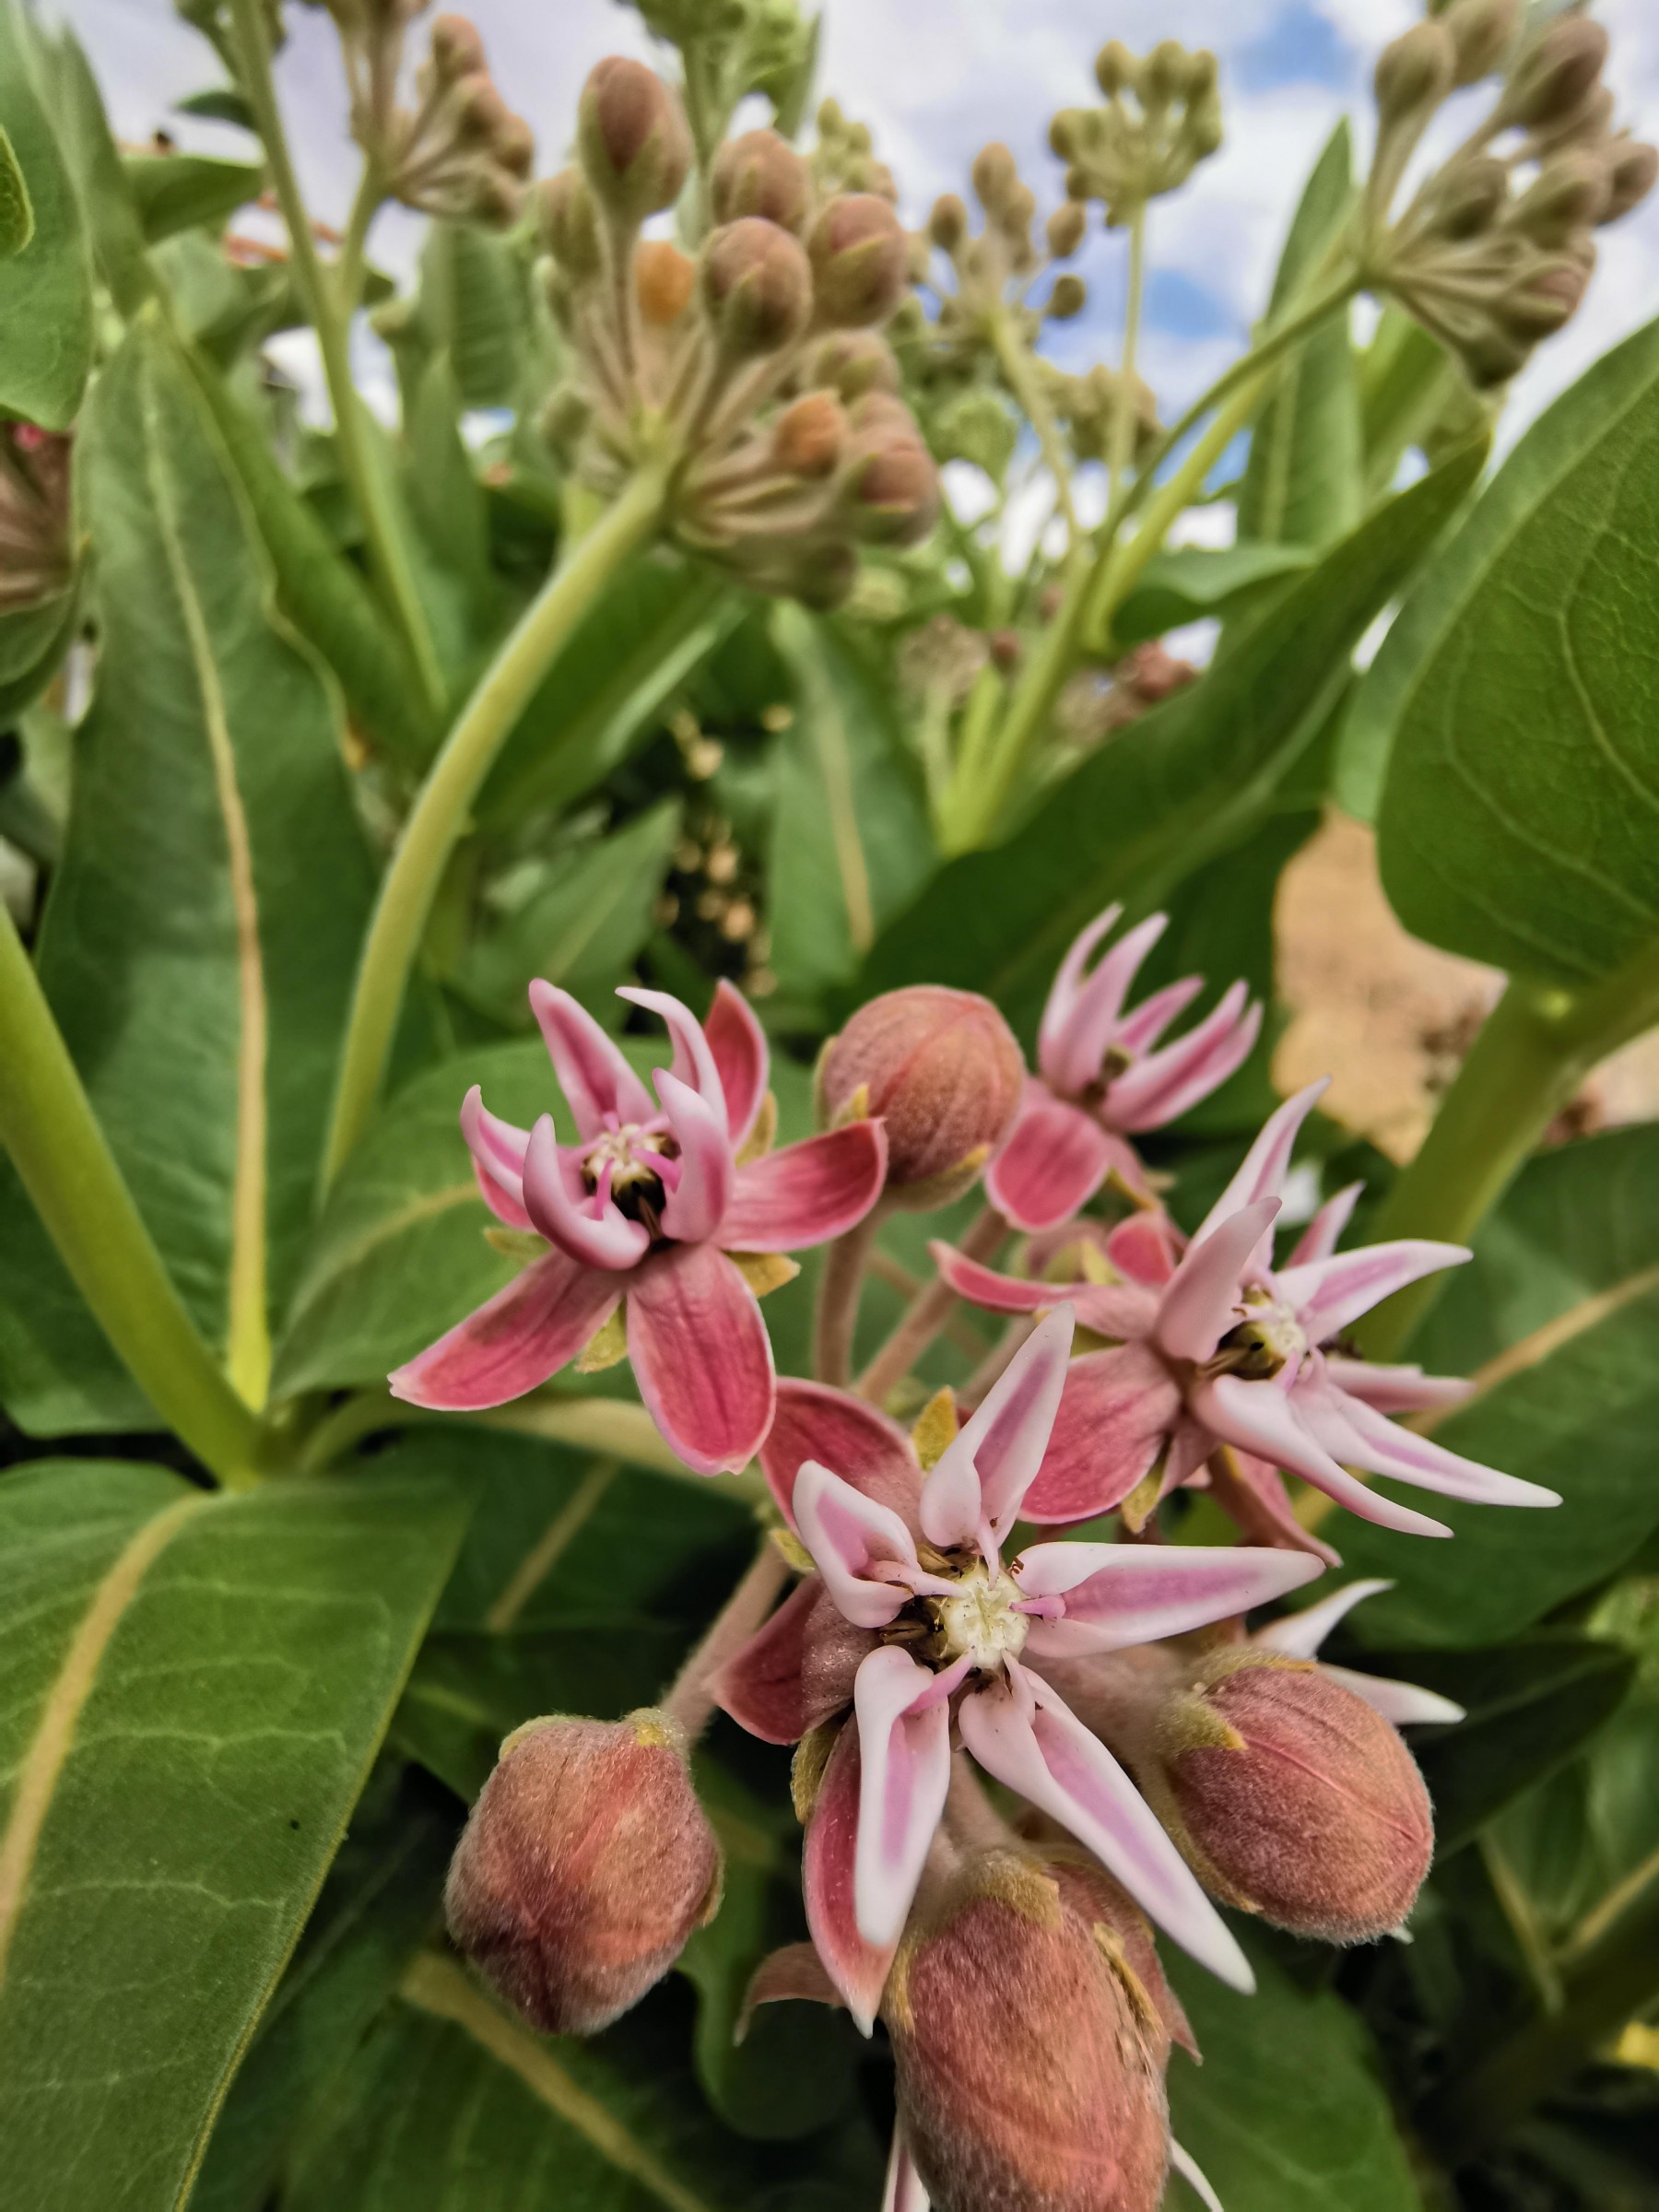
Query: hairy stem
[[387, 554], [1014, 358], [926, 1314], [48, 1127], [1124, 412], [440, 810], [840, 1287], [691, 1699]]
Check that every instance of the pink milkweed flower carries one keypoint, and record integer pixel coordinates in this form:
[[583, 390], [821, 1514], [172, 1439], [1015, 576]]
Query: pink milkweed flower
[[647, 1205], [914, 1619], [1219, 1348], [1099, 1081]]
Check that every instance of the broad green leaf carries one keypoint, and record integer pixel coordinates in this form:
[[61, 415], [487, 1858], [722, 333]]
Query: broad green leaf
[[583, 928], [200, 939], [850, 838], [1287, 2112], [1516, 703], [186, 191], [197, 1685], [1409, 394], [1195, 582], [1556, 1316], [1303, 481], [16, 210], [607, 687], [33, 641], [473, 305], [217, 104], [1170, 794], [45, 288], [108, 207], [445, 497], [453, 2107]]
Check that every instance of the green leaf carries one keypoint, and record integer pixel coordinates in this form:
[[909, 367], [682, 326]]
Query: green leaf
[[608, 688], [1195, 582], [16, 210], [1408, 391], [219, 103], [1556, 1315], [850, 838], [197, 1684], [188, 191], [473, 306], [1287, 2114], [33, 641], [1516, 704], [108, 207], [445, 497], [1303, 481], [46, 286], [584, 927], [199, 942], [1166, 796], [453, 2107]]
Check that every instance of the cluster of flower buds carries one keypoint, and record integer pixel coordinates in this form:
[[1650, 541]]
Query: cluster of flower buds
[[757, 367], [844, 158], [460, 152], [36, 558], [1495, 250], [1163, 117], [1098, 702], [1086, 406], [735, 47]]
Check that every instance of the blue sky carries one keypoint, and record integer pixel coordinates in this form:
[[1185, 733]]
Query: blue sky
[[936, 79]]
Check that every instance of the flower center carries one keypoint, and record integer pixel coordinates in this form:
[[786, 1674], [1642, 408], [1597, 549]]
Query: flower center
[[634, 1165], [979, 1620], [1267, 1340]]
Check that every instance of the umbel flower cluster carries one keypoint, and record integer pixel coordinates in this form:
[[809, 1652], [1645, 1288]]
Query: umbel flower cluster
[[1015, 1757]]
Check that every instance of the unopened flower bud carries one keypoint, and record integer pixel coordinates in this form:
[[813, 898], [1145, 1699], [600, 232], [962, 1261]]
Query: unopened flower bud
[[636, 149], [1024, 2080], [1566, 198], [1471, 196], [944, 1071], [1554, 77], [947, 225], [1005, 651], [1545, 300], [1632, 173], [1068, 298], [1115, 69], [570, 224], [1066, 228], [894, 489], [457, 49], [859, 261], [1291, 1797], [854, 362], [810, 434], [761, 173], [583, 1869], [1163, 74], [994, 174], [1483, 31], [664, 280], [756, 287], [1415, 71]]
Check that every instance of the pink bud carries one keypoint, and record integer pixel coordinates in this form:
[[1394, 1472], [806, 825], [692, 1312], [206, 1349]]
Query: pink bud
[[761, 173], [1293, 1798], [1025, 2080], [583, 1869], [809, 434], [942, 1068], [756, 287], [860, 260], [636, 147], [664, 280]]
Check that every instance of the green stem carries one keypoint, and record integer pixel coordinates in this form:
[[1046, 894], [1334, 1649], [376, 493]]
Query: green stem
[[348, 266], [1014, 358], [445, 799], [1124, 412], [48, 1127], [836, 1321], [1534, 1052], [387, 554]]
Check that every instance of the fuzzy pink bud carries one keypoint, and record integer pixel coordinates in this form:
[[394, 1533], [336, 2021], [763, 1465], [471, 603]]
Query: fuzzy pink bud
[[943, 1070], [1293, 1798], [756, 287], [854, 363], [583, 1869], [636, 148], [761, 173], [860, 260]]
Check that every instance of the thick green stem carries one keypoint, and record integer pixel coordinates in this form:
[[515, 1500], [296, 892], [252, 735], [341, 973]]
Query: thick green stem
[[445, 799], [354, 246], [1124, 412], [1014, 358], [387, 554], [48, 1127], [1534, 1052]]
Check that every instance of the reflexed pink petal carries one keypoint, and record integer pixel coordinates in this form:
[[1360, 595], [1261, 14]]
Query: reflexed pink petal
[[984, 1286], [1080, 1046], [737, 1043], [560, 1207], [863, 1550], [809, 1193], [1264, 1167], [1139, 1030], [525, 1334], [1169, 1083], [1116, 1413], [1258, 1503], [903, 2191], [701, 1356], [1257, 1416], [1299, 1635], [1401, 1704], [693, 1058], [1202, 1301], [853, 1440], [859, 1970], [1369, 1440], [1049, 1757], [1321, 1237], [1055, 1158], [590, 1069], [904, 1752], [1144, 1248], [1395, 1389], [796, 1672], [498, 1150], [697, 1205], [1327, 1294], [1118, 1594], [1063, 991], [505, 1209], [988, 1467], [1191, 2173], [795, 1974]]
